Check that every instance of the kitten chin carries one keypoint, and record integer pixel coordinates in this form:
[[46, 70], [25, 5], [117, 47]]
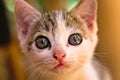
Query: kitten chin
[[85, 73]]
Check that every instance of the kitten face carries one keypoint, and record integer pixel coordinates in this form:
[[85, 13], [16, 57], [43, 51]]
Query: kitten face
[[56, 41]]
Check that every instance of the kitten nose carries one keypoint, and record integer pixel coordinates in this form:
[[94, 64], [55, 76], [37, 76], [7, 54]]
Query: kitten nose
[[59, 55]]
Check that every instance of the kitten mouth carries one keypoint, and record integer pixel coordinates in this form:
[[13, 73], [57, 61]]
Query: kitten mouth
[[60, 65], [61, 68]]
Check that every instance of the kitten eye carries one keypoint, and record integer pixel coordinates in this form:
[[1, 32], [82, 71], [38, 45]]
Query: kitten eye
[[42, 42], [75, 39]]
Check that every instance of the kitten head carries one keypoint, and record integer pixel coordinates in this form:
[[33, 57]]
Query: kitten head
[[57, 41]]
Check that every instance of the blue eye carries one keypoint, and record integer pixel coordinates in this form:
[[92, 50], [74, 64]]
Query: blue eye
[[42, 42], [75, 39]]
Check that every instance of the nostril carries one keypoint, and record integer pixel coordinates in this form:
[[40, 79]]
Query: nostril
[[63, 55], [55, 56]]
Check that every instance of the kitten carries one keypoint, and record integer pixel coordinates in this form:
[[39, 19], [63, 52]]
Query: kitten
[[60, 45]]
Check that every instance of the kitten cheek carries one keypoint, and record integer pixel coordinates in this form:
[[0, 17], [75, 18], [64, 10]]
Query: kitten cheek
[[80, 57]]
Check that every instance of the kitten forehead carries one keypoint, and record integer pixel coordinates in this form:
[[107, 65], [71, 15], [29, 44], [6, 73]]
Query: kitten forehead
[[52, 21]]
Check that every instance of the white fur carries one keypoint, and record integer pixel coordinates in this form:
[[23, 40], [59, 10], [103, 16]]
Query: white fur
[[77, 62], [78, 58]]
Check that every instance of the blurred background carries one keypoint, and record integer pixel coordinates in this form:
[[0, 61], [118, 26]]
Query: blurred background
[[12, 64]]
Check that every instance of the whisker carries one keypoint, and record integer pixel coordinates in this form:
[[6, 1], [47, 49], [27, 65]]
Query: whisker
[[102, 54], [41, 74], [33, 66], [32, 74]]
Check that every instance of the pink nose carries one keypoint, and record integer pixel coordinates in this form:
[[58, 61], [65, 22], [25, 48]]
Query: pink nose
[[59, 55]]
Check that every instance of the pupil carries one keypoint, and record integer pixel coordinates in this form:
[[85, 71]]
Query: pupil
[[42, 42], [75, 39]]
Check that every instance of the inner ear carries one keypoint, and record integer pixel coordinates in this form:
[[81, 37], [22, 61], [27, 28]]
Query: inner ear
[[87, 10], [25, 14]]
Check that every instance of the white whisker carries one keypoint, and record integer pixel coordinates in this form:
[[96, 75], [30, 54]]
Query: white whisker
[[32, 74], [33, 66]]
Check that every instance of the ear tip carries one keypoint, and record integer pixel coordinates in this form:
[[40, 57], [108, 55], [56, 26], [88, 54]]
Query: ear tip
[[19, 1], [19, 4], [89, 1]]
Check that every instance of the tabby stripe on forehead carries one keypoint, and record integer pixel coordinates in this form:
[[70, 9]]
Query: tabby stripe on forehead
[[73, 20], [38, 26], [49, 20], [64, 14]]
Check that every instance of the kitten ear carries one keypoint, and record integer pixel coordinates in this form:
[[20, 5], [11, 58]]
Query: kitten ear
[[87, 10], [25, 14]]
